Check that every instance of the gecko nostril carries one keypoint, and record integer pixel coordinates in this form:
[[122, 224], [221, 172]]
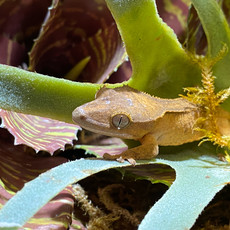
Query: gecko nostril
[[82, 117]]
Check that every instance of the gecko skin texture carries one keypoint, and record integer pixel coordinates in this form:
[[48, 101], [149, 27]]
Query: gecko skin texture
[[130, 114]]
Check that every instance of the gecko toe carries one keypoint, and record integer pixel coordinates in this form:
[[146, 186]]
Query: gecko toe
[[131, 161], [120, 159]]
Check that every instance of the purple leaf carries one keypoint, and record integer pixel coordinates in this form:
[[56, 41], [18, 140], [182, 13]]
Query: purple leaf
[[73, 31], [19, 165], [38, 132]]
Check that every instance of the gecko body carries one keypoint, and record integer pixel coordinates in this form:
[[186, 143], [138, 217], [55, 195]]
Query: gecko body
[[130, 114]]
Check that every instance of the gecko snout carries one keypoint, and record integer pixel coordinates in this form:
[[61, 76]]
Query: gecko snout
[[78, 115]]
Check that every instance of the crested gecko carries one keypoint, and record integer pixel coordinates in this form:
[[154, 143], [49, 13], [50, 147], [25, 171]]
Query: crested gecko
[[130, 114]]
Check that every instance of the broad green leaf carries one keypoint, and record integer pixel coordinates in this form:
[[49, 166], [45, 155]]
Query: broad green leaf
[[38, 132], [218, 33], [43, 95], [158, 59], [196, 174], [53, 181], [198, 178]]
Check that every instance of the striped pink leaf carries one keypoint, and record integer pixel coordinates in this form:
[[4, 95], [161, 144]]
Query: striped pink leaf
[[19, 165], [20, 22], [22, 19], [99, 151], [38, 132], [75, 30], [12, 52], [175, 13]]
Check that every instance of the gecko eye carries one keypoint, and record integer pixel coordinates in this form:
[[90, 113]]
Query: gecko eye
[[120, 121]]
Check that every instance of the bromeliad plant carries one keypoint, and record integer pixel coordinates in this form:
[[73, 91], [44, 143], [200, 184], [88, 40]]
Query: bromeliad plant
[[160, 66]]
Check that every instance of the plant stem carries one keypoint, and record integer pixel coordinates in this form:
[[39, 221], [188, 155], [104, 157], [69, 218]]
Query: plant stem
[[32, 93]]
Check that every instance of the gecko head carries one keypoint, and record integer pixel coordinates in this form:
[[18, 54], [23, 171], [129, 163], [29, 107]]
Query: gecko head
[[115, 112]]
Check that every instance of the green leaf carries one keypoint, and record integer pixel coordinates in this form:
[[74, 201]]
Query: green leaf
[[218, 33], [157, 57], [46, 186], [198, 178]]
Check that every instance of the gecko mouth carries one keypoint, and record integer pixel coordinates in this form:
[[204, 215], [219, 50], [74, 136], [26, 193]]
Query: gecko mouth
[[86, 122]]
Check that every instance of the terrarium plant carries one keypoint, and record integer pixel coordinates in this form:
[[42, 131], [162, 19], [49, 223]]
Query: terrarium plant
[[77, 50]]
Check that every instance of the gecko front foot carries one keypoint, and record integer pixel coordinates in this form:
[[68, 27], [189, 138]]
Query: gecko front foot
[[130, 160], [119, 158], [142, 152]]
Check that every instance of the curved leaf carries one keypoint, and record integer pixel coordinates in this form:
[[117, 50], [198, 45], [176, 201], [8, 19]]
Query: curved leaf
[[21, 20], [174, 13], [99, 151], [198, 178], [12, 53], [157, 57], [42, 95], [38, 132], [19, 165], [53, 181], [218, 33], [85, 29]]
